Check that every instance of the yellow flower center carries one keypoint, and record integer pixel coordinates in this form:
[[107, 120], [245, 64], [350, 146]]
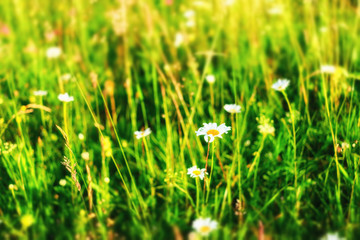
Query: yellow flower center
[[205, 229], [196, 172], [213, 132]]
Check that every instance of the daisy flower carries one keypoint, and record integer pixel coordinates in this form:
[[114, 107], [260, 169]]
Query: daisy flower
[[212, 130], [53, 52], [195, 172], [65, 97], [281, 84], [141, 134], [210, 79], [232, 108], [204, 226], [40, 93]]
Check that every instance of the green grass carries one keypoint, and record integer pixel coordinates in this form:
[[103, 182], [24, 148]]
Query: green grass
[[127, 75]]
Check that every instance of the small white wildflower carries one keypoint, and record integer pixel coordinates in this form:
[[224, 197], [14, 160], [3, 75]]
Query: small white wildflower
[[53, 52], [62, 182], [329, 69], [232, 108], [247, 143], [12, 187], [65, 97], [345, 145], [189, 14], [141, 134], [40, 93], [65, 77], [281, 84], [210, 79], [276, 10], [212, 130], [204, 226], [195, 172], [324, 29], [106, 180], [85, 156], [190, 23], [332, 236], [81, 136], [229, 2], [265, 126], [179, 40], [266, 129]]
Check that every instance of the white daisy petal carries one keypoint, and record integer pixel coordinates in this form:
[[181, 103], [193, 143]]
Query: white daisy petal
[[141, 134], [65, 97], [232, 108], [281, 84], [40, 93], [204, 226]]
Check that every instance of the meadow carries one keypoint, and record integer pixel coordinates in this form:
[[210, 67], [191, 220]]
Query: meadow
[[167, 119]]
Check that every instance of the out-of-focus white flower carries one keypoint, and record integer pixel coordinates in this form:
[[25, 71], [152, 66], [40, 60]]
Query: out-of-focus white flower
[[106, 180], [65, 77], [276, 10], [40, 93], [85, 156], [265, 126], [345, 145], [53, 52], [195, 172], [232, 108], [81, 136], [7, 148], [212, 130], [204, 226], [247, 143], [62, 182], [179, 39], [65, 97], [329, 69], [281, 84], [324, 29], [210, 79], [189, 14], [190, 18], [13, 187], [141, 134], [229, 2], [190, 23], [332, 236]]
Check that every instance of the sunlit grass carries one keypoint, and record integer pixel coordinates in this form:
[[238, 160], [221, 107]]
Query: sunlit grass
[[137, 119]]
